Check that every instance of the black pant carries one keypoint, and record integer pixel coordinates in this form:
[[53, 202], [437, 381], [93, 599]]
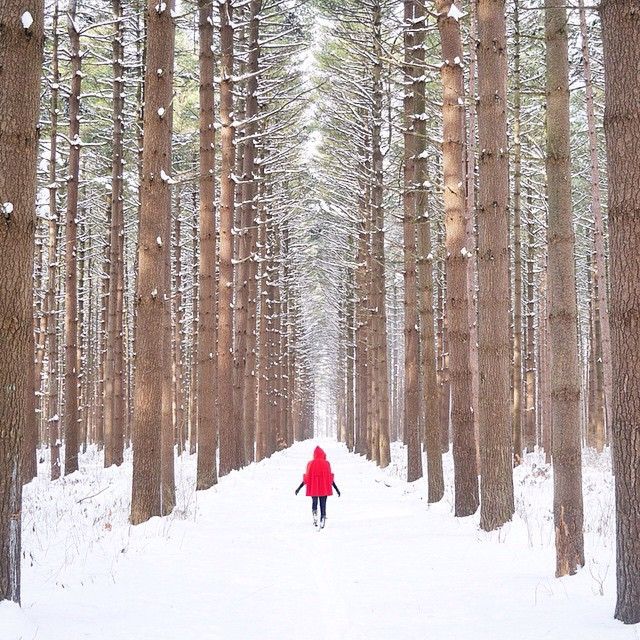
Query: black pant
[[323, 505]]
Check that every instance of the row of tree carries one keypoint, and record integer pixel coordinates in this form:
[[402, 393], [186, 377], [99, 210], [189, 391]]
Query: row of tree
[[521, 355], [212, 298], [168, 311]]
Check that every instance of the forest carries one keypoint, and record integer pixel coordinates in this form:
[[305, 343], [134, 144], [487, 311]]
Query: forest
[[407, 230]]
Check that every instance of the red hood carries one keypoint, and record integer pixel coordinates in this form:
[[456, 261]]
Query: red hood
[[319, 454]]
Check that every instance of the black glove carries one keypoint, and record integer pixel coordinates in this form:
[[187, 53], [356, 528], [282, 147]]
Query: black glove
[[296, 491], [300, 487]]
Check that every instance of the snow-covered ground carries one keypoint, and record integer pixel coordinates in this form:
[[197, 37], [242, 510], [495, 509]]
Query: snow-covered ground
[[243, 561]]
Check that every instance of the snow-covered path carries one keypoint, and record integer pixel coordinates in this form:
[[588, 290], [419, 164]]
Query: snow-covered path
[[246, 563]]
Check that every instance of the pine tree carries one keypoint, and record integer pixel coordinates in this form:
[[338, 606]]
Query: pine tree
[[621, 41], [494, 345], [565, 371], [152, 297], [206, 371], [21, 48]]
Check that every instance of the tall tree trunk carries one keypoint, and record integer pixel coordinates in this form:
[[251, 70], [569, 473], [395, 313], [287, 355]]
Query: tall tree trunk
[[517, 245], [228, 430], [565, 369], [442, 350], [603, 362], [262, 407], [494, 343], [21, 47], [464, 448], [382, 453], [595, 391], [206, 379], [50, 405], [249, 214], [71, 413], [471, 153], [152, 298], [544, 357], [433, 437], [621, 40], [529, 434], [362, 318], [350, 355], [411, 343], [113, 387], [52, 417]]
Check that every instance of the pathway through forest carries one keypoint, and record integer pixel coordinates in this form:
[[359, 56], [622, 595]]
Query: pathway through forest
[[246, 563]]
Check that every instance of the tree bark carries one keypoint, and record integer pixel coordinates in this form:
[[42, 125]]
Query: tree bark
[[435, 480], [113, 382], [464, 448], [565, 369], [411, 342], [206, 379], [530, 422], [517, 246], [152, 297], [21, 47], [621, 40], [250, 213], [228, 430], [494, 343], [603, 340], [382, 453], [71, 413]]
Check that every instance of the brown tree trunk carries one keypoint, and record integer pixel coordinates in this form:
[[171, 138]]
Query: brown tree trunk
[[351, 357], [71, 413], [428, 354], [262, 408], [442, 352], [362, 359], [382, 453], [206, 372], [250, 224], [565, 369], [603, 341], [595, 373], [411, 343], [464, 448], [621, 40], [529, 434], [228, 430], [517, 246], [113, 386], [471, 191], [152, 297], [544, 357], [494, 343], [21, 48]]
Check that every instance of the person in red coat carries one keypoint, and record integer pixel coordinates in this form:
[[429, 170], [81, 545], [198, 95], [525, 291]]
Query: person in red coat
[[319, 481]]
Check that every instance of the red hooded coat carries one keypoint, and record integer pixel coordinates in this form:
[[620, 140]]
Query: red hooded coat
[[318, 477]]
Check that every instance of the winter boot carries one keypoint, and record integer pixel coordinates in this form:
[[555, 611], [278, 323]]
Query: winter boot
[[322, 520], [315, 518]]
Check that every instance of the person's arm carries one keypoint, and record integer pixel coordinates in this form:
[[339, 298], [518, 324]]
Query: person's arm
[[335, 486], [300, 487]]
